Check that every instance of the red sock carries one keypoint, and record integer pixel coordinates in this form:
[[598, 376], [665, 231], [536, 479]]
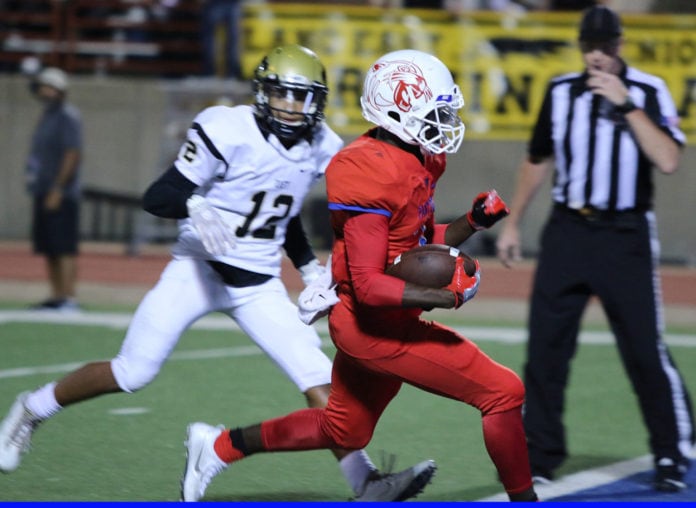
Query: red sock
[[225, 449], [503, 434]]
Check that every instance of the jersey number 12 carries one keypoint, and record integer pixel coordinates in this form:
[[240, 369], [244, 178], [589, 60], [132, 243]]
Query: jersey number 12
[[283, 203]]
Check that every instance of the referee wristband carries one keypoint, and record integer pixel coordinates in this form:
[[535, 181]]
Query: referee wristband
[[626, 107]]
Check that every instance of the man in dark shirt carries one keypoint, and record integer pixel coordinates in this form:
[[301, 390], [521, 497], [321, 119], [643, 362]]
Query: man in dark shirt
[[53, 180]]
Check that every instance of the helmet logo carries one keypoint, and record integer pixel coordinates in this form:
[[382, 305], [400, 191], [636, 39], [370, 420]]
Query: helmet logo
[[404, 79], [412, 95]]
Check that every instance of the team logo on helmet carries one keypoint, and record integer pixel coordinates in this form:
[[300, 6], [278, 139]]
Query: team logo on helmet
[[412, 95], [404, 79]]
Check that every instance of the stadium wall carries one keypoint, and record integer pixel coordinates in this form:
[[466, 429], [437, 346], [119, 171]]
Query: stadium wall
[[133, 128]]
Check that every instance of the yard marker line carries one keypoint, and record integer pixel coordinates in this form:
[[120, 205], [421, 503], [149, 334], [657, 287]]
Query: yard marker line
[[519, 335], [584, 480], [195, 354], [106, 319], [46, 369], [507, 335]]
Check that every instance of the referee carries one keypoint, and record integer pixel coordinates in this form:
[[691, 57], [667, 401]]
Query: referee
[[603, 131]]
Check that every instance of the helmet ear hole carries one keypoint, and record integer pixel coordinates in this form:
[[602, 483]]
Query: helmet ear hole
[[394, 116]]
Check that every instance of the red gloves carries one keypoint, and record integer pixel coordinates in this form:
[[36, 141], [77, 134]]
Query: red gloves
[[487, 209], [462, 285]]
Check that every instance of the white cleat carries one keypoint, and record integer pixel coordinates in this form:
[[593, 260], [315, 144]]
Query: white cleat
[[202, 463], [15, 434], [399, 486]]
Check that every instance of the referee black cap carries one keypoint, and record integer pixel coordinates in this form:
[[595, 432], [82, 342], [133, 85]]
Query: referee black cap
[[599, 23]]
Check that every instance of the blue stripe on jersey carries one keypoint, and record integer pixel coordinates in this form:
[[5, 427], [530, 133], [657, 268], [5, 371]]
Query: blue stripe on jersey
[[339, 206]]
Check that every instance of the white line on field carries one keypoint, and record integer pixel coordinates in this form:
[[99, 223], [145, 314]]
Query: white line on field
[[586, 479], [220, 322], [196, 354]]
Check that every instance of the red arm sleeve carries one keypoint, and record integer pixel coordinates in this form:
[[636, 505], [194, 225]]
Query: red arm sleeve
[[439, 233], [367, 237]]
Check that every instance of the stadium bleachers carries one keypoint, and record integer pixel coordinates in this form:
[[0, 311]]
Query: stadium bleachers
[[102, 36]]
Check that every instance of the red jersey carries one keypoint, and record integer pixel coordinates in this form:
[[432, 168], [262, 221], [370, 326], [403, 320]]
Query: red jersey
[[376, 177]]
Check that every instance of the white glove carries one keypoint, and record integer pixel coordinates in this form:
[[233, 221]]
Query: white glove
[[217, 236], [318, 297], [312, 271]]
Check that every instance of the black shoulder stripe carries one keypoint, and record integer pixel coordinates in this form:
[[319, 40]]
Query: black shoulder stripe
[[208, 143]]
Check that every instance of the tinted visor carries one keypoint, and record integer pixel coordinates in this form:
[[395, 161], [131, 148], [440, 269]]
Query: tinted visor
[[443, 114], [278, 91]]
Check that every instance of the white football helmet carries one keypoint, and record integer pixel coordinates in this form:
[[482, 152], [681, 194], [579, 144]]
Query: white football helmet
[[412, 95]]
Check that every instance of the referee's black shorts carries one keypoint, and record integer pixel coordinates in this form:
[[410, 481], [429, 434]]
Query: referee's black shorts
[[56, 232]]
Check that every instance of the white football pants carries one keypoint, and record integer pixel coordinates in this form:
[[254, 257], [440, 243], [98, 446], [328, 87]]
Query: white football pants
[[187, 290]]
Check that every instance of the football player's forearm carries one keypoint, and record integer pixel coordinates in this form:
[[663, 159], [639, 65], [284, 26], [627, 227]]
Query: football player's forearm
[[377, 289], [454, 233], [366, 242], [167, 196], [457, 231], [427, 298], [296, 243]]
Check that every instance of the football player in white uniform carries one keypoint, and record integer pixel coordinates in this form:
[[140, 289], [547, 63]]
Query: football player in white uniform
[[237, 185]]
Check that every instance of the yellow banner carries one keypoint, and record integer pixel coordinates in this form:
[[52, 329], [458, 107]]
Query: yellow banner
[[502, 62]]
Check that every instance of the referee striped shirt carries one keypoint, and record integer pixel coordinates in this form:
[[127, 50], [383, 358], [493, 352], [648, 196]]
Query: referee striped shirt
[[598, 162]]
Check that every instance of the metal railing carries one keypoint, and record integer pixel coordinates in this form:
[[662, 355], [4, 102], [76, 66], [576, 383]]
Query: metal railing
[[119, 217]]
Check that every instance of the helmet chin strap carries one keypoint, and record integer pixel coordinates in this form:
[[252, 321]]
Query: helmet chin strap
[[289, 132]]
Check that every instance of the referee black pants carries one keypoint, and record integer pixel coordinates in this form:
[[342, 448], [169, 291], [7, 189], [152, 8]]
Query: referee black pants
[[615, 259]]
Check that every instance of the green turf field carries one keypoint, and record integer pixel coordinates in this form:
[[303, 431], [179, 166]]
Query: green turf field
[[130, 447]]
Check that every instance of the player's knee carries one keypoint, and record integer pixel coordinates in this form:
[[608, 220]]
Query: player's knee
[[516, 391], [509, 395], [353, 441], [512, 396], [134, 374], [348, 435]]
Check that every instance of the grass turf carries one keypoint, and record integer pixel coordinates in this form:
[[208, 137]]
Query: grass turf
[[130, 447]]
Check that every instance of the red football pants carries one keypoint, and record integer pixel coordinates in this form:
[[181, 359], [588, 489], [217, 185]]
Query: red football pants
[[375, 356]]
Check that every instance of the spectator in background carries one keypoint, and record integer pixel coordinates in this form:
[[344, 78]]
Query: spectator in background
[[221, 18], [53, 179], [604, 130]]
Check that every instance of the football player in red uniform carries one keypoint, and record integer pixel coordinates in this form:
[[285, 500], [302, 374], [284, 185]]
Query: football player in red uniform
[[380, 192]]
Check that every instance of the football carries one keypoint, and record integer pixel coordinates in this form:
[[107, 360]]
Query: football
[[429, 265]]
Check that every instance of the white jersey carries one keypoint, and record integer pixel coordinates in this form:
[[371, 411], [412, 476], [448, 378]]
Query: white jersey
[[255, 183]]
